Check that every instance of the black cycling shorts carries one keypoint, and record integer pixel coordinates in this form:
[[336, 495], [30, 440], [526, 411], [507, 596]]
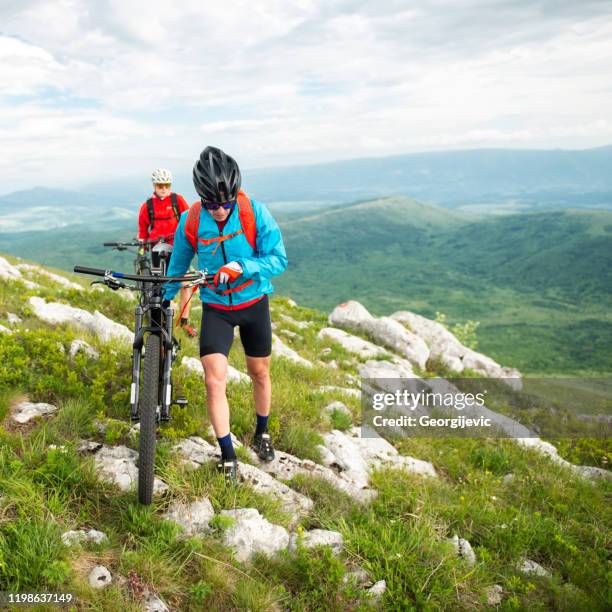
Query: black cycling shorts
[[217, 333]]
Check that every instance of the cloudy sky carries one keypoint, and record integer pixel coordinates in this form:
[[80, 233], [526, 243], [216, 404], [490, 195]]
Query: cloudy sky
[[113, 88]]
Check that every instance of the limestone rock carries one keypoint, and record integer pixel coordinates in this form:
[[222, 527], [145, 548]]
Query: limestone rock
[[99, 577], [37, 270], [102, 326], [445, 346], [280, 349], [193, 517], [328, 364], [285, 466], [380, 369], [464, 550], [527, 566], [13, 319], [395, 336], [318, 537], [196, 451], [352, 343], [81, 345], [345, 390], [494, 595], [347, 457], [298, 324], [12, 273], [117, 464], [25, 411], [356, 456], [70, 538], [359, 576], [385, 330], [376, 591], [252, 533], [338, 406], [106, 329], [154, 604], [293, 503], [350, 314], [546, 448]]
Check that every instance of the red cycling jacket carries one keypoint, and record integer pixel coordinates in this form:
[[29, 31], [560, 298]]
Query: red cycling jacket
[[165, 221]]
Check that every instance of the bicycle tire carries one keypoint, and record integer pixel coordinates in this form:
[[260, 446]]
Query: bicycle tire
[[149, 400]]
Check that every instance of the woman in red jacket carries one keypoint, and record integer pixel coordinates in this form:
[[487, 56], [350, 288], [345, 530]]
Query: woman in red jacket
[[158, 218]]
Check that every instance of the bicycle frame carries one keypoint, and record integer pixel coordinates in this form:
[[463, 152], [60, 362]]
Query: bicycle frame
[[160, 322]]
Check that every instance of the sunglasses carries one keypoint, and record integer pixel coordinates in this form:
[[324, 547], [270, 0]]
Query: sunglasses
[[216, 206], [163, 185]]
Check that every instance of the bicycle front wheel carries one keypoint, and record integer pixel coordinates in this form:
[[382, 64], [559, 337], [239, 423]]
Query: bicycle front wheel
[[149, 401]]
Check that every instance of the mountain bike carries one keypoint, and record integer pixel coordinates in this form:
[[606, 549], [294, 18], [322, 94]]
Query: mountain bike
[[158, 351]]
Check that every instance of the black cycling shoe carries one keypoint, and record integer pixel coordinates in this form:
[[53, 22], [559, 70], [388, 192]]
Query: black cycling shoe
[[229, 469], [262, 445]]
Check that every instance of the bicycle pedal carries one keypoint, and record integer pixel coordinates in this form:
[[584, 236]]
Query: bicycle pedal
[[182, 402], [135, 418], [165, 417]]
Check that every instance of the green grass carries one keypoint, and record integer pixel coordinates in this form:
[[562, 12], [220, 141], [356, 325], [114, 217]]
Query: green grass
[[542, 512]]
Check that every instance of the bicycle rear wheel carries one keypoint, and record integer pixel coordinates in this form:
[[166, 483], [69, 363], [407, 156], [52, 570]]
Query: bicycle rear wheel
[[149, 400]]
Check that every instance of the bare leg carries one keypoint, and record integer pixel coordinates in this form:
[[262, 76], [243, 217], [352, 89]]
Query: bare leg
[[215, 376], [259, 371], [185, 295]]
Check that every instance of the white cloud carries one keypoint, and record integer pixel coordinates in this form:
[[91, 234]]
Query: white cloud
[[131, 84]]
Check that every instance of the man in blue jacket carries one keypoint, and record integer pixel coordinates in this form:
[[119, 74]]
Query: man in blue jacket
[[237, 239]]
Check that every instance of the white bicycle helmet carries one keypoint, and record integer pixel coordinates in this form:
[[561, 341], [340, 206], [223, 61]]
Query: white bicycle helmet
[[161, 176]]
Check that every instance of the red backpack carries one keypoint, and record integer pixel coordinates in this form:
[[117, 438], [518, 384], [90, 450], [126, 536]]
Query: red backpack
[[247, 223]]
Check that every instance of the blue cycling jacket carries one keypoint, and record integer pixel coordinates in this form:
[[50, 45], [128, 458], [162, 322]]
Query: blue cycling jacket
[[270, 258]]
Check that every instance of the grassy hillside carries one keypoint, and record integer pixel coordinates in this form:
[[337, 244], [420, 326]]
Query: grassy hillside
[[541, 511], [539, 284]]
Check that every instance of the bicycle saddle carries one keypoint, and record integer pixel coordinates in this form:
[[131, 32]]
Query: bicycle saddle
[[162, 247]]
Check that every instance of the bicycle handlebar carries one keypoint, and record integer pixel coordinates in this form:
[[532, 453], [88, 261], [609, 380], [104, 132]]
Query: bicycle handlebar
[[135, 243], [121, 244], [141, 278]]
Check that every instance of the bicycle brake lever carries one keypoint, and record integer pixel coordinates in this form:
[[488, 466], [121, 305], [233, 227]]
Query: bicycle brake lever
[[109, 283]]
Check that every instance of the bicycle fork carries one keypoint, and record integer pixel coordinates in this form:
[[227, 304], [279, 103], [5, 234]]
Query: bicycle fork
[[169, 348], [169, 354], [135, 387]]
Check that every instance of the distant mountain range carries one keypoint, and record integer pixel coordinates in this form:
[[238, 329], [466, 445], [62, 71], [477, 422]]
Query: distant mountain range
[[520, 177], [484, 181]]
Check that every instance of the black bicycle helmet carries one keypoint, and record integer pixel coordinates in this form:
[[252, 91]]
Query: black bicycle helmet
[[216, 176]]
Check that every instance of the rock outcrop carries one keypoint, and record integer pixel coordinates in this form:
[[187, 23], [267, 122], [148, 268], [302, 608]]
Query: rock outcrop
[[12, 273], [56, 278], [445, 346], [385, 330], [105, 328], [117, 464], [193, 517], [26, 411], [280, 349], [351, 343], [251, 533]]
